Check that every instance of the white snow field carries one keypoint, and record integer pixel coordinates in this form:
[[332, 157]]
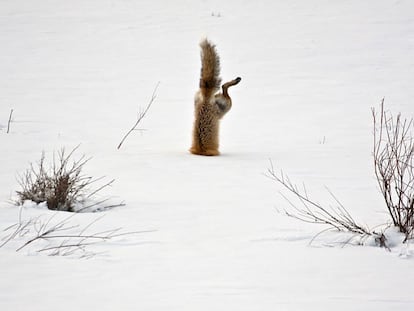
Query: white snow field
[[77, 72]]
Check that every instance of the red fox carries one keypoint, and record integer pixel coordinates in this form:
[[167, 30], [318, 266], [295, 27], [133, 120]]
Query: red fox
[[209, 105]]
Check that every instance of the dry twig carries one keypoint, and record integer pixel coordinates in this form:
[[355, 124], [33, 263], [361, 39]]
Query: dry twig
[[9, 122], [63, 238], [141, 115], [309, 211]]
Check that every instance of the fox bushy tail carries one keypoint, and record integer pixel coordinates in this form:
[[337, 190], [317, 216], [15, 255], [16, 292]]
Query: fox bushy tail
[[210, 69]]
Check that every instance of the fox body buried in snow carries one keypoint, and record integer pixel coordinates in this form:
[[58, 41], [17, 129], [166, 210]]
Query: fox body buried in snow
[[210, 106]]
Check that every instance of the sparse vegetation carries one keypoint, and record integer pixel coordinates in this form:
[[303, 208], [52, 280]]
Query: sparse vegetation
[[394, 170], [141, 115], [63, 186], [335, 217], [394, 167], [10, 121], [59, 236]]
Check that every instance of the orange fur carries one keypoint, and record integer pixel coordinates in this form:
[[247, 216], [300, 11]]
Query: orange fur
[[209, 107]]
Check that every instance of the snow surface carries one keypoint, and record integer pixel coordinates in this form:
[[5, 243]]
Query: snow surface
[[77, 72]]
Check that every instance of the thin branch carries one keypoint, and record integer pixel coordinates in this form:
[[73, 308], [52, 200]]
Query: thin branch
[[9, 122], [312, 212], [141, 115], [63, 238]]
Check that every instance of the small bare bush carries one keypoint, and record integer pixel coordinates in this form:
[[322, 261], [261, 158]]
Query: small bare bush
[[58, 236], [63, 186], [394, 170], [394, 166], [335, 217]]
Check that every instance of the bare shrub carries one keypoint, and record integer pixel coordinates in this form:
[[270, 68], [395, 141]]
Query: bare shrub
[[394, 170], [62, 186], [394, 166], [59, 236], [305, 209]]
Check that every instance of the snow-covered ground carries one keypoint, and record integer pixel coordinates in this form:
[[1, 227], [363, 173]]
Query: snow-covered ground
[[77, 72]]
